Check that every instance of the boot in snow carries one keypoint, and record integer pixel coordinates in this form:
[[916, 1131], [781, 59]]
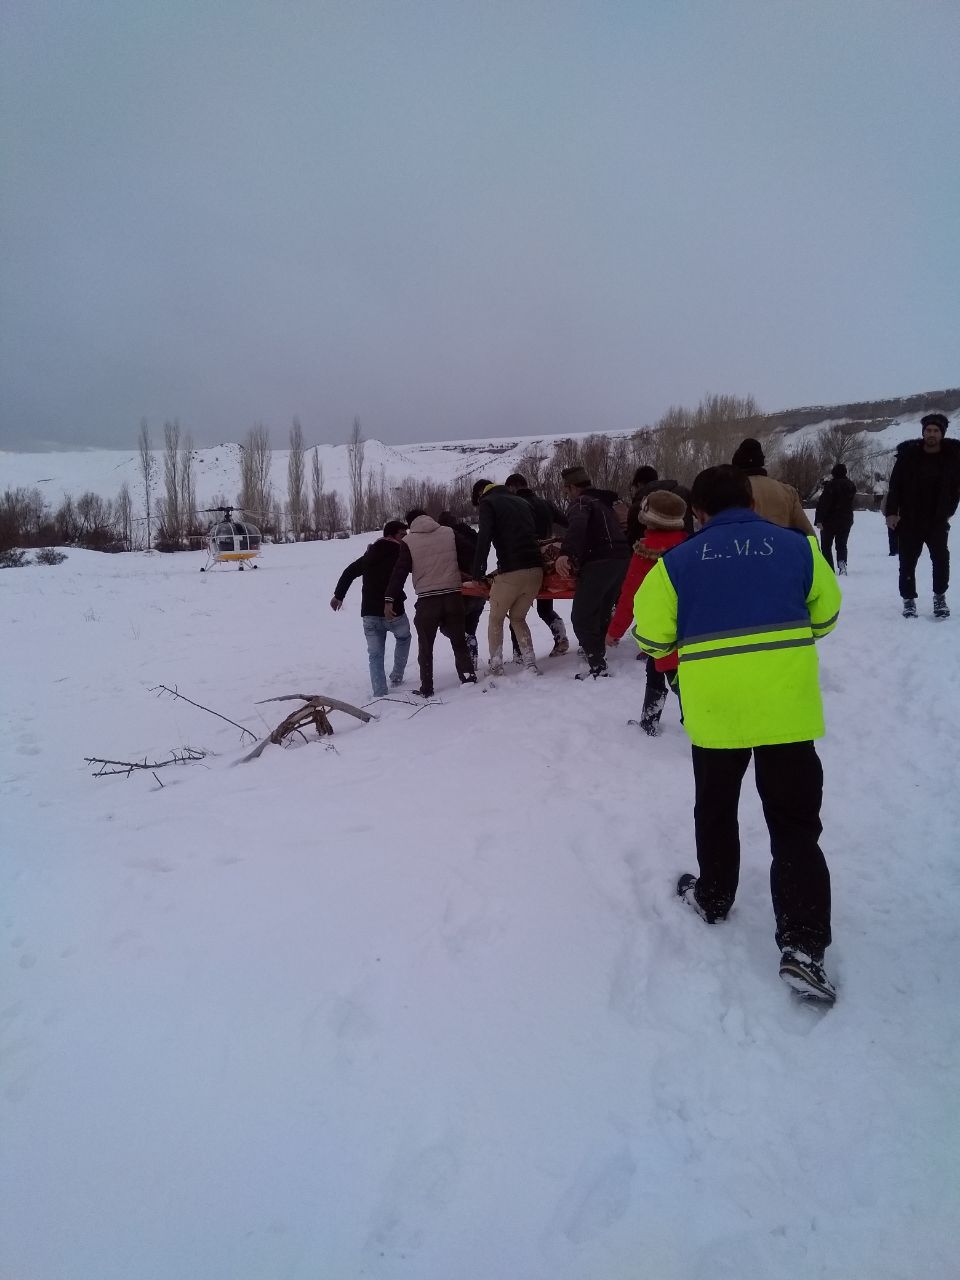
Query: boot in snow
[[909, 608], [495, 665], [687, 892], [842, 568], [804, 974], [940, 607], [529, 660], [653, 705], [597, 668], [561, 644]]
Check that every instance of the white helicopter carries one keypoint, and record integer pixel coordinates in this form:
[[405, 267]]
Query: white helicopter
[[231, 540]]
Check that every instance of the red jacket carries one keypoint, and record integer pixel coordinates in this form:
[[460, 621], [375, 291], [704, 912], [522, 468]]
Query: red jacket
[[646, 554]]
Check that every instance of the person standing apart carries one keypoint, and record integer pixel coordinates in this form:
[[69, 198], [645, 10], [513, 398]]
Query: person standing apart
[[743, 602], [923, 495], [375, 567], [834, 516]]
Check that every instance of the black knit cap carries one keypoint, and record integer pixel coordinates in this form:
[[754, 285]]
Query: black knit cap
[[749, 453], [935, 420], [838, 470]]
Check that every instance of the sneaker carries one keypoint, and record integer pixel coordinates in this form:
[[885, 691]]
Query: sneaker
[[470, 679], [909, 608], [803, 973], [940, 607], [686, 892]]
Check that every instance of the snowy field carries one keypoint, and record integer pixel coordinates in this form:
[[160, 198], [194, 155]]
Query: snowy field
[[422, 1003]]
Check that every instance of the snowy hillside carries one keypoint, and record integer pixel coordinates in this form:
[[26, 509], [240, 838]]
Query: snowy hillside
[[421, 1002], [217, 470]]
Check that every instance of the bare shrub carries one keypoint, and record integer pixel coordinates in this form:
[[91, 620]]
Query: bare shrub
[[50, 555]]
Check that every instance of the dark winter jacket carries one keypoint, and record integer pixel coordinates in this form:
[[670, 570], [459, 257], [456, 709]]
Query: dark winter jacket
[[594, 532], [507, 522], [545, 514], [636, 529], [375, 567], [836, 502], [924, 487]]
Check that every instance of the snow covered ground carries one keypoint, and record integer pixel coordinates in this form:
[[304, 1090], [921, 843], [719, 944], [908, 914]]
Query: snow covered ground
[[421, 1002]]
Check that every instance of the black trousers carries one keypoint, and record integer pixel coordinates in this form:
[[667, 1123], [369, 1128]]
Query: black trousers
[[912, 542], [790, 783], [473, 607], [598, 589], [440, 613], [835, 531]]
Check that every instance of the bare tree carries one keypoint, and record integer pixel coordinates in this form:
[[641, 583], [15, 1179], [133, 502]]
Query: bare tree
[[846, 444], [189, 523], [296, 498], [355, 451], [255, 491], [123, 516], [317, 491], [332, 515], [171, 520], [147, 466]]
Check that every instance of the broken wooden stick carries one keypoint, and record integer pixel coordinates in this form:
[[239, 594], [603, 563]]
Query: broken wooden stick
[[315, 712]]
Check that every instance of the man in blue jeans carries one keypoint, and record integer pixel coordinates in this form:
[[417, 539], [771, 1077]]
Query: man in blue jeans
[[375, 567]]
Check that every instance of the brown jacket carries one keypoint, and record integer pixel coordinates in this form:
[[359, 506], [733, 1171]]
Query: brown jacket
[[779, 503]]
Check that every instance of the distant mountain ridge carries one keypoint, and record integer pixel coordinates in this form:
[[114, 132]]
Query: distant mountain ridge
[[217, 469]]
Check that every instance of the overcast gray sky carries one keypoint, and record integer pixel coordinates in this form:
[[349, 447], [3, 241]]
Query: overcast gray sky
[[459, 219]]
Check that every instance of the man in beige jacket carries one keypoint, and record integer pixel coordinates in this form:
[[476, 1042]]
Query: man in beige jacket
[[772, 499], [432, 554]]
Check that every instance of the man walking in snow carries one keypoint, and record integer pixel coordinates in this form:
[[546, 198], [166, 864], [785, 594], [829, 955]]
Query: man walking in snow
[[545, 518], [595, 548], [742, 602], [834, 516], [506, 522], [772, 499], [375, 567], [923, 495], [429, 553]]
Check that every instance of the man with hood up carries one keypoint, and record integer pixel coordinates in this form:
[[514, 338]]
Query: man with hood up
[[429, 553], [923, 495], [772, 499]]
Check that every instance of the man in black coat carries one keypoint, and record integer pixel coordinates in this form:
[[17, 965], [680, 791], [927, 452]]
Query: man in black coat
[[924, 493], [834, 516], [595, 547], [506, 522], [375, 567], [546, 517]]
